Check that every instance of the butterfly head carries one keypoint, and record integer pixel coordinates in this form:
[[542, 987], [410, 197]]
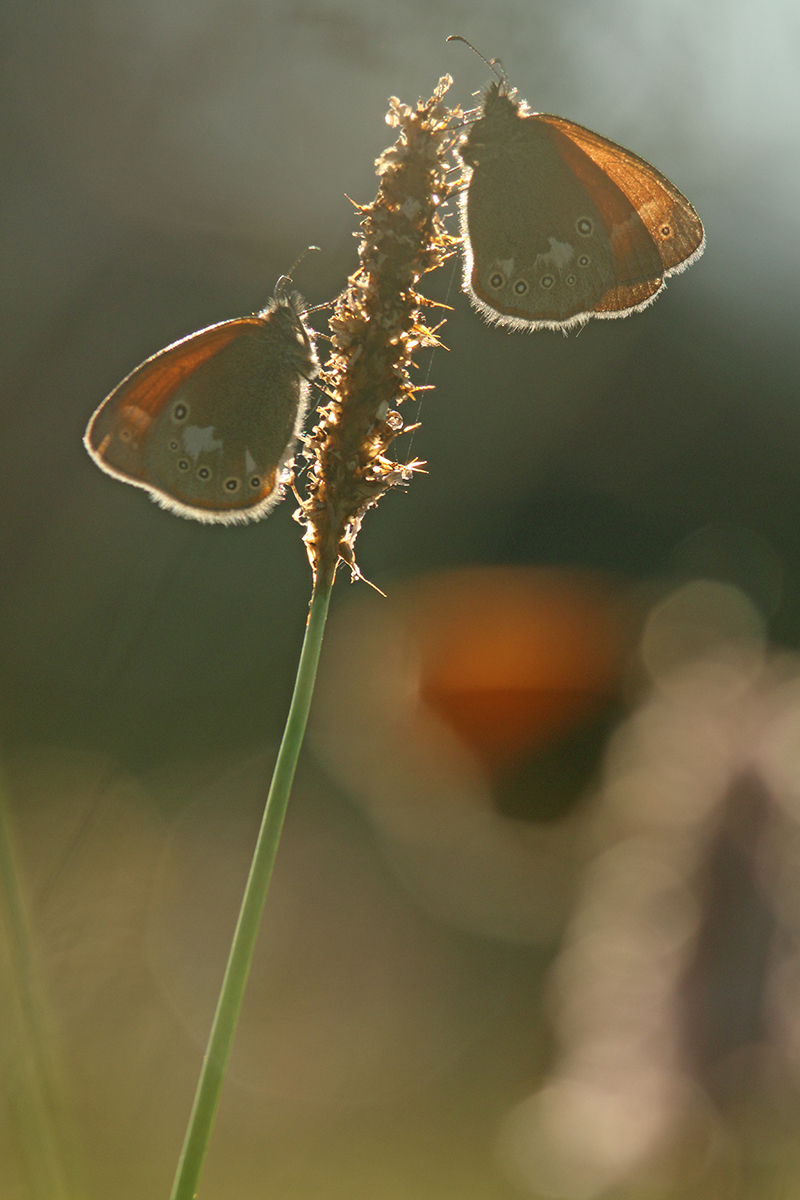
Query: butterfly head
[[497, 126], [286, 311]]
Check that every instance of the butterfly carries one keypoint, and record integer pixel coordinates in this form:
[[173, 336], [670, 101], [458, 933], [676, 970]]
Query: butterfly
[[208, 425], [561, 224]]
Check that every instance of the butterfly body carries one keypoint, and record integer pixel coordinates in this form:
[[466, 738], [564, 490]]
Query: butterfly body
[[561, 224], [208, 425]]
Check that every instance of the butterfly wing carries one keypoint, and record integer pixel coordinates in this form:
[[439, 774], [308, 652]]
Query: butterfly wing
[[207, 425], [115, 432], [552, 222], [667, 215], [527, 264]]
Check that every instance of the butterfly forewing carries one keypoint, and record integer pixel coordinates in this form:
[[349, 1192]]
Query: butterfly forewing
[[670, 219], [116, 430], [635, 256]]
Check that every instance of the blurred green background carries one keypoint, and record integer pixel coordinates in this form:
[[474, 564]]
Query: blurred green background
[[163, 162]]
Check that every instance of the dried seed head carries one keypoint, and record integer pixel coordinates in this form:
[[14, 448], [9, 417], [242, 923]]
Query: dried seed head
[[376, 325]]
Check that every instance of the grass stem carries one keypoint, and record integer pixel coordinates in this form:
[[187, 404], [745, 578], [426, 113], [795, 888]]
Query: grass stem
[[229, 1004]]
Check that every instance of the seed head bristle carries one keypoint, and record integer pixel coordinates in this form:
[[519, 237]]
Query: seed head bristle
[[377, 324]]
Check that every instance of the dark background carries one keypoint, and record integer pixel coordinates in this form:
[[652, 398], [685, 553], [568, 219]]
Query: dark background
[[163, 162]]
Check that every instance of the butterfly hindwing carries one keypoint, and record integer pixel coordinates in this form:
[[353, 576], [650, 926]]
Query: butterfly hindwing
[[207, 426]]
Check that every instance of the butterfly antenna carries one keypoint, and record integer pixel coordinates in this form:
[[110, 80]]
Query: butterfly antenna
[[498, 71], [280, 286]]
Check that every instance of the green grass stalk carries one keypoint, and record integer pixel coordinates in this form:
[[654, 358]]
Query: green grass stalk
[[220, 1040]]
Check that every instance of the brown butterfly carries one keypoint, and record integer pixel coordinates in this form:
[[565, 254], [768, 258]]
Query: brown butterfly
[[208, 425], [560, 224]]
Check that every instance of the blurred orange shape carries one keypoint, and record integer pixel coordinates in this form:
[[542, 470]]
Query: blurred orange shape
[[513, 658]]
